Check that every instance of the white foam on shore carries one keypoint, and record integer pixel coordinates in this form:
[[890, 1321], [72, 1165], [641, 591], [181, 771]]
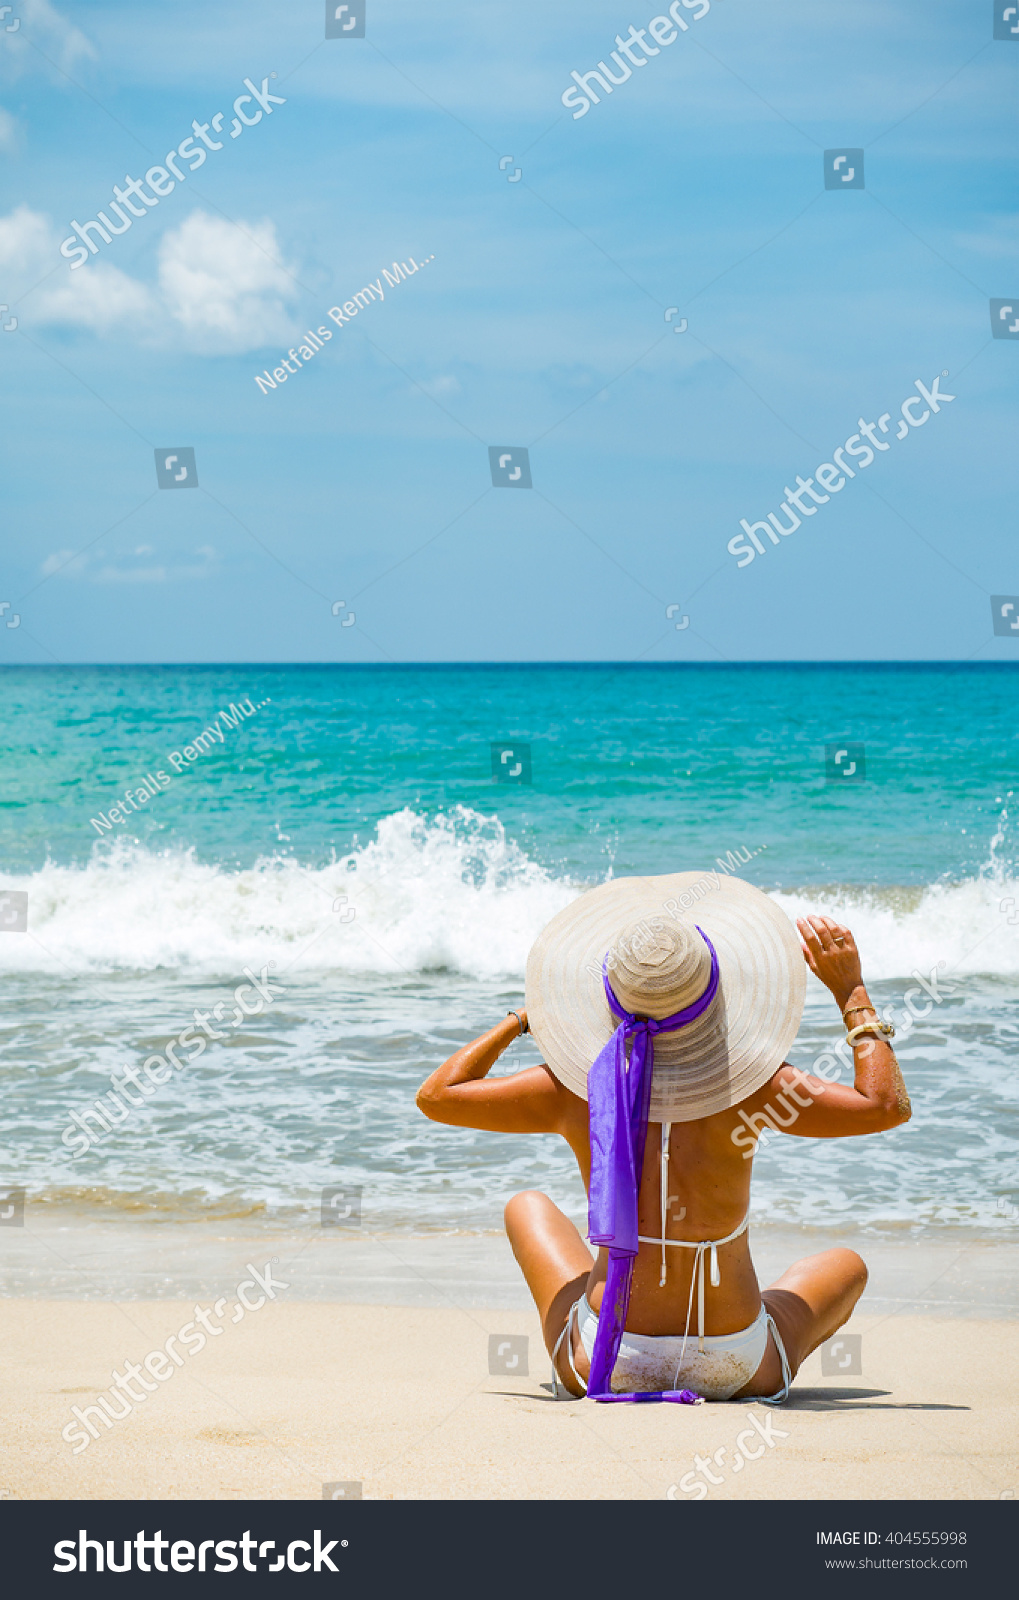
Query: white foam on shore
[[968, 927], [448, 892], [445, 892], [960, 927]]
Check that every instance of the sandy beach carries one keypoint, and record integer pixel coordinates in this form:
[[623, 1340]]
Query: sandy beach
[[398, 1399]]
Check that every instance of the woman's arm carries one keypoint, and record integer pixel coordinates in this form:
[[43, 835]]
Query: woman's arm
[[458, 1092], [877, 1099]]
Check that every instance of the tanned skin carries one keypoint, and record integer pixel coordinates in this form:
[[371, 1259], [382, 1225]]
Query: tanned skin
[[709, 1178]]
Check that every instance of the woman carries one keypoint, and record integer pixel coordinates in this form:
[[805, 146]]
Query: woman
[[671, 1304]]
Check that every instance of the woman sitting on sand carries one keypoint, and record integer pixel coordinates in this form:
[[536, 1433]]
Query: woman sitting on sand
[[664, 1009]]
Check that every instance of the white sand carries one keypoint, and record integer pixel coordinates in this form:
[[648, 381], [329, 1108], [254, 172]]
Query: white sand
[[401, 1400]]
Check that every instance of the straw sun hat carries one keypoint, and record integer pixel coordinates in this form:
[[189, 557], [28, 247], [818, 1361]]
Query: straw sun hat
[[645, 929]]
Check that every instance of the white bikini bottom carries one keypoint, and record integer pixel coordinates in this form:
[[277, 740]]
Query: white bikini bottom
[[648, 1362]]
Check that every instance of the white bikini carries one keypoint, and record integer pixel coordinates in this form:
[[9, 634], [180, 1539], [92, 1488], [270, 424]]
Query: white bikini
[[721, 1364]]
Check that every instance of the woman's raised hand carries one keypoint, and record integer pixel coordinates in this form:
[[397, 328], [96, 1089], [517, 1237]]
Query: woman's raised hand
[[830, 952]]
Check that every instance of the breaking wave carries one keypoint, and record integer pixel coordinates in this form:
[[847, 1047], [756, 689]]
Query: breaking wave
[[445, 892]]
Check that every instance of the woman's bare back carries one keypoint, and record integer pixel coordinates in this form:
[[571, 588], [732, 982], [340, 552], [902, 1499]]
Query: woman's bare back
[[708, 1192]]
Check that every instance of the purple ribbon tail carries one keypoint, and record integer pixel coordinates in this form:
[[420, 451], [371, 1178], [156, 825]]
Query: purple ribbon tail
[[619, 1099], [679, 1397], [611, 1323]]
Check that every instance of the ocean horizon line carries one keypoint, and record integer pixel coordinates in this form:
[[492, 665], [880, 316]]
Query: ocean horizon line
[[856, 665]]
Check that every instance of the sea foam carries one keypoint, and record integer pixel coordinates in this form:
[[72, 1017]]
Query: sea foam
[[443, 892], [450, 891]]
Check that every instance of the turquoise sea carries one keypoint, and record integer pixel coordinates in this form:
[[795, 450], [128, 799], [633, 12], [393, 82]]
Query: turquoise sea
[[341, 828]]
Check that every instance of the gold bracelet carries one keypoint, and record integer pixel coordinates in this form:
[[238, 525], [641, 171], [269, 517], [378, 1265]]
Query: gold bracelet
[[877, 1026], [857, 1008]]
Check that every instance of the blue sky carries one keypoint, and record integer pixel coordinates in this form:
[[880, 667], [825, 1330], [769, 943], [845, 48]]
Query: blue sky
[[538, 321]]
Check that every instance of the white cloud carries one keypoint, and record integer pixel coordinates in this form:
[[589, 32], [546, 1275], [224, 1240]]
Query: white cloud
[[226, 284], [222, 284], [25, 238], [101, 298], [10, 132], [998, 237], [44, 41], [95, 566], [63, 561], [444, 385]]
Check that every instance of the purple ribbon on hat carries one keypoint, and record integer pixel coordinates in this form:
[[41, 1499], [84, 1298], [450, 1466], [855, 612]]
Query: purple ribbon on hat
[[618, 1101]]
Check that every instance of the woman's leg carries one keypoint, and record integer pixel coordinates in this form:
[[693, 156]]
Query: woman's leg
[[808, 1302], [554, 1260]]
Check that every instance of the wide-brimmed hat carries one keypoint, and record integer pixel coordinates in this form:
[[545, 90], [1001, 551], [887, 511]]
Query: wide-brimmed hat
[[646, 932]]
